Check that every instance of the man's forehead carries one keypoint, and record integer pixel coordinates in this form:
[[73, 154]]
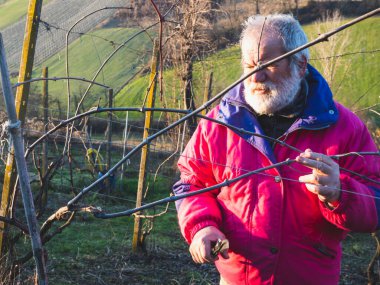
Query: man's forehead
[[266, 46]]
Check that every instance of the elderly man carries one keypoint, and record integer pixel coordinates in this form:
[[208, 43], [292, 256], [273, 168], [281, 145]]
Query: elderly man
[[284, 225]]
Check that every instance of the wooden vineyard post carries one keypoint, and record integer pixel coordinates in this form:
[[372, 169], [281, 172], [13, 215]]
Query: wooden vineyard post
[[109, 142], [208, 92], [137, 242], [44, 164], [22, 93], [14, 128]]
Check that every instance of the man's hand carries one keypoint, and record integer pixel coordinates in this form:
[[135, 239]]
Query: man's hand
[[203, 240], [324, 179]]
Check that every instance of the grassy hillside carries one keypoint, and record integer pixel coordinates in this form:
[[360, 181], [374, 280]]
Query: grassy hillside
[[87, 54], [350, 76], [11, 11], [353, 76], [225, 66]]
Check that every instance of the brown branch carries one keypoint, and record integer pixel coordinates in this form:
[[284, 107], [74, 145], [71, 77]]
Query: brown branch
[[60, 214], [362, 153], [360, 175], [372, 277], [37, 163], [373, 111], [362, 96], [160, 52], [346, 54], [59, 230], [155, 215], [258, 62], [16, 223], [227, 182], [60, 78], [367, 108]]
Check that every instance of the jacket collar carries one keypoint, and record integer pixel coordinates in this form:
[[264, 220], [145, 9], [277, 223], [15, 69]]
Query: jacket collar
[[319, 112]]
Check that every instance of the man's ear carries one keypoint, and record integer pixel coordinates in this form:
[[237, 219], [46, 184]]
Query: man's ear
[[302, 64]]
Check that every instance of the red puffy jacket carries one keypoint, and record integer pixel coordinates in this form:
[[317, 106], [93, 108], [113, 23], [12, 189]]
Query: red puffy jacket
[[279, 232]]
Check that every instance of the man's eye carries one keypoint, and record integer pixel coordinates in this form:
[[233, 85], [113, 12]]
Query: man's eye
[[249, 66], [272, 66]]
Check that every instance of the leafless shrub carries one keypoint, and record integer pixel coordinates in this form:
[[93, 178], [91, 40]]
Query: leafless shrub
[[187, 41], [330, 64]]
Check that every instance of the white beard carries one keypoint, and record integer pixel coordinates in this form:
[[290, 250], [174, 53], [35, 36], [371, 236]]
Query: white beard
[[276, 96]]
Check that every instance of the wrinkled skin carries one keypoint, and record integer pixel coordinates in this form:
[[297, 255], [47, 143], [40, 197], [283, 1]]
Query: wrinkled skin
[[324, 179], [200, 248]]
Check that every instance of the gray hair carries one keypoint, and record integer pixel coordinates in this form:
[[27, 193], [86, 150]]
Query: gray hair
[[285, 26]]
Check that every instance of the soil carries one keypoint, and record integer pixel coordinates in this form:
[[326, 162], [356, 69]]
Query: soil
[[174, 266], [160, 266], [170, 263]]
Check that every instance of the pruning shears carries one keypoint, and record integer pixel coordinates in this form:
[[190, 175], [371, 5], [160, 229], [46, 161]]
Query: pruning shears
[[220, 245]]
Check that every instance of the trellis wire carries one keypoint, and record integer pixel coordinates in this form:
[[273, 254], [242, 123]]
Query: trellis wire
[[169, 130], [62, 13]]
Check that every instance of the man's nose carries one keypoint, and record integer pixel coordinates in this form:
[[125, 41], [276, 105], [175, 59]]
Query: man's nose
[[259, 76]]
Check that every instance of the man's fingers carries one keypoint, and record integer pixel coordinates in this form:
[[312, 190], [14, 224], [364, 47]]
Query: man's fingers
[[311, 182], [198, 256], [200, 247], [314, 181], [315, 178], [221, 247], [206, 252], [194, 257], [316, 186], [314, 164], [324, 179], [201, 253], [318, 157], [193, 253], [309, 178]]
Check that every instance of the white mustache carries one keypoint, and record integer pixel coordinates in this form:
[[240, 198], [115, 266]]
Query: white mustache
[[269, 97], [261, 87]]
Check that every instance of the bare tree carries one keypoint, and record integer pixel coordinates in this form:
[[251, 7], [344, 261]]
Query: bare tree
[[296, 2], [189, 40], [257, 7]]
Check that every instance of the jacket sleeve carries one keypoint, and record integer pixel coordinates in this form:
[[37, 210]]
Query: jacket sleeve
[[202, 210], [360, 185]]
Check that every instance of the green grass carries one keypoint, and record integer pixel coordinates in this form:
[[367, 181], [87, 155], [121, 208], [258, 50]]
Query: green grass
[[11, 11], [356, 74], [87, 238], [87, 53], [225, 66]]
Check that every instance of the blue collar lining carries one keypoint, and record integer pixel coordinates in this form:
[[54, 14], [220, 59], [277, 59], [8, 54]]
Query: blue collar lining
[[320, 112]]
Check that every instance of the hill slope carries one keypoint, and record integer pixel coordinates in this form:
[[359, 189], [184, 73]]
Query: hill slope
[[355, 73], [11, 11], [88, 53], [57, 17]]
